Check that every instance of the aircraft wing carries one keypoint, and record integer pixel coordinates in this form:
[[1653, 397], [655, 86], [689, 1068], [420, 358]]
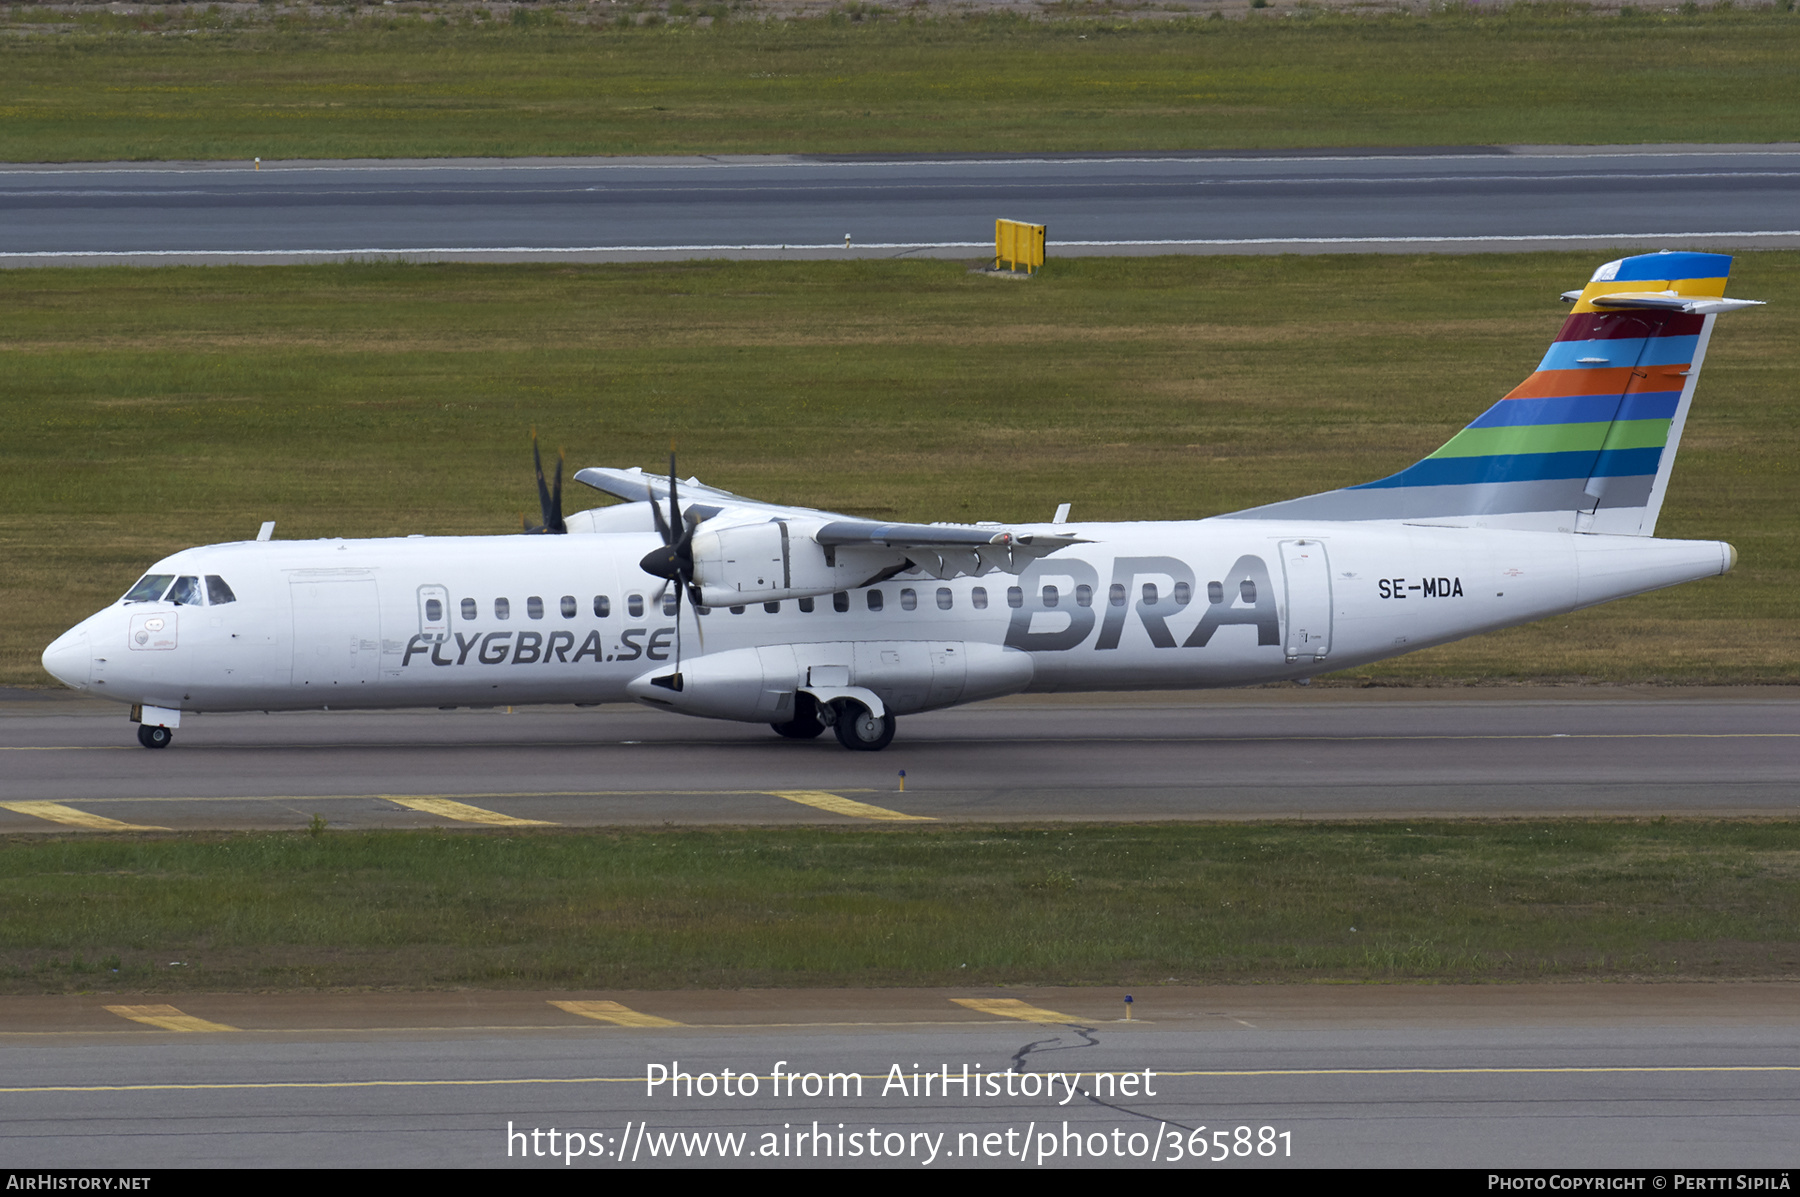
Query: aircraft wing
[[941, 550], [635, 486]]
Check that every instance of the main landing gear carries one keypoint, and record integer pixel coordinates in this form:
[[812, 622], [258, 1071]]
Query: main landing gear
[[861, 731], [806, 724], [152, 736], [857, 728]]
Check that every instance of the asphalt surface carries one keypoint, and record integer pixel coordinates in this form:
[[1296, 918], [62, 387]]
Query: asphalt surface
[[1266, 753], [1671, 1076], [1485, 198], [1687, 1077]]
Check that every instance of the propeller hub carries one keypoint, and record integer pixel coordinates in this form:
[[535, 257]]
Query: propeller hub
[[667, 561]]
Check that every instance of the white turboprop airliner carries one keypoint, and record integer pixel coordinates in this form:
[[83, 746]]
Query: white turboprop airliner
[[805, 619]]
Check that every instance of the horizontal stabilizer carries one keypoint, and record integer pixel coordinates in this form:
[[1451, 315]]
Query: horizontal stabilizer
[[1664, 301]]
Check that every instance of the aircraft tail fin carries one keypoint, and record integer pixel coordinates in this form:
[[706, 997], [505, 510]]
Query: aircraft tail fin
[[1587, 443]]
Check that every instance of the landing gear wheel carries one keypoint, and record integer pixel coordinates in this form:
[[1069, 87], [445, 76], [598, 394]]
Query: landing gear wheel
[[151, 736], [860, 731], [805, 724]]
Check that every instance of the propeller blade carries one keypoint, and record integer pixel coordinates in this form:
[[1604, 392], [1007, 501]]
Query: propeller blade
[[662, 526], [699, 623], [553, 519], [550, 505]]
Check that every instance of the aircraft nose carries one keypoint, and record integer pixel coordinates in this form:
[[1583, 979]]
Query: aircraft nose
[[68, 658]]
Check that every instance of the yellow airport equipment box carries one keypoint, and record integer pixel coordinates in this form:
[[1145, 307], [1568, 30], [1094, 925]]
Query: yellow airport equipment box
[[1018, 243]]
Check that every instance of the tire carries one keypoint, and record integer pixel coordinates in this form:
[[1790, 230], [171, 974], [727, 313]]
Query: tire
[[860, 731], [805, 724], [151, 736]]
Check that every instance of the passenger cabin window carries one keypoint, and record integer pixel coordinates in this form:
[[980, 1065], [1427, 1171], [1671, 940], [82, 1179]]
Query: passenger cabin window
[[1051, 597], [469, 610], [568, 606], [434, 610], [1184, 594], [671, 601], [217, 592], [840, 601], [1015, 598], [978, 598], [1115, 594], [1247, 588], [1150, 595], [1215, 592], [502, 609], [149, 588], [534, 607], [634, 604], [772, 608], [945, 598], [806, 606], [875, 600], [186, 590], [909, 599], [1084, 595], [602, 606], [735, 610]]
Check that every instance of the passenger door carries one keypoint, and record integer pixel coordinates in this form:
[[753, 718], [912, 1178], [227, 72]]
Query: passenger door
[[1308, 574]]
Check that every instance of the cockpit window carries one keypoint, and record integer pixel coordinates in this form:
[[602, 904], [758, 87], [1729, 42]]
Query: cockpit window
[[217, 592], [186, 590], [150, 587]]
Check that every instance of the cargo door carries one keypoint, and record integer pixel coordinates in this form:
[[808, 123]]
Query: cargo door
[[337, 633]]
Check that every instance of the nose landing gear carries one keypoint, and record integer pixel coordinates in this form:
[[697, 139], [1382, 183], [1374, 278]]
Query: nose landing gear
[[152, 736]]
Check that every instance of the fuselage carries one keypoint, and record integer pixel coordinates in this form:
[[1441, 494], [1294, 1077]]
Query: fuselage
[[478, 621]]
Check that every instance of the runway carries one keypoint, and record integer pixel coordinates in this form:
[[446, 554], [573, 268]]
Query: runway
[[1449, 200], [1282, 753], [1684, 1077]]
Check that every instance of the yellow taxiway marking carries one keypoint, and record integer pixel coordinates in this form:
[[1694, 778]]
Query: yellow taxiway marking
[[563, 1028], [462, 812], [612, 1012], [638, 1080], [837, 804], [167, 1018], [56, 812], [1014, 1008], [413, 797]]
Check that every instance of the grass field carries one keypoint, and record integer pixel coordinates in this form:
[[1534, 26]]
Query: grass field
[[152, 410], [1463, 901], [167, 82]]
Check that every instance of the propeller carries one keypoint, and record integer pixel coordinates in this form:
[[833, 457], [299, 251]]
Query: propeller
[[549, 501], [674, 562]]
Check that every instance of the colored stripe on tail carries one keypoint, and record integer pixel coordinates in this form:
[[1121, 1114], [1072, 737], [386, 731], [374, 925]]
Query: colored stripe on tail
[[1587, 442]]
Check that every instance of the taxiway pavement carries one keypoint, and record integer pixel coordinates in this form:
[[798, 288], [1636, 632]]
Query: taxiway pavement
[[1491, 198], [1495, 1077], [1286, 753]]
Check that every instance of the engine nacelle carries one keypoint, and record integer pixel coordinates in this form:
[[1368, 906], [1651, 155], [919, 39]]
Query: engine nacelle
[[779, 559], [758, 685]]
